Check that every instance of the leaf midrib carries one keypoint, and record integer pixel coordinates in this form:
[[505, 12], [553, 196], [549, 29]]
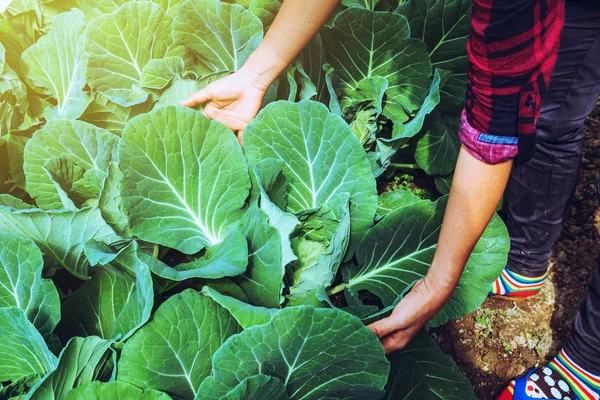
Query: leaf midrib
[[389, 265]]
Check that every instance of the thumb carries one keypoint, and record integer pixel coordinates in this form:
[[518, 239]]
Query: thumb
[[384, 327], [201, 96]]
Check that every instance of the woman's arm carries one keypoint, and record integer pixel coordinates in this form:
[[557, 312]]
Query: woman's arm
[[500, 123], [476, 191], [297, 22], [236, 99]]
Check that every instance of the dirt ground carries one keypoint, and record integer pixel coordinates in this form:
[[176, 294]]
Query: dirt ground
[[503, 339]]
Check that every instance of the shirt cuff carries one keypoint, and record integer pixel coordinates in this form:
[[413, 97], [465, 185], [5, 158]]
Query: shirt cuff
[[490, 149]]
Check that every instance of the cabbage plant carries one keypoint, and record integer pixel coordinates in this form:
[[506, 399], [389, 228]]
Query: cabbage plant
[[145, 254]]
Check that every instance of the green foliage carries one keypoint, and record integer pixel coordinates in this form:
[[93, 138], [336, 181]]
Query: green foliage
[[113, 390], [23, 287], [432, 373], [296, 347], [23, 351], [180, 340], [144, 254]]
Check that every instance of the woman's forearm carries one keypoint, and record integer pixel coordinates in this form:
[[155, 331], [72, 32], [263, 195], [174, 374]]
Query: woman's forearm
[[476, 191], [296, 24]]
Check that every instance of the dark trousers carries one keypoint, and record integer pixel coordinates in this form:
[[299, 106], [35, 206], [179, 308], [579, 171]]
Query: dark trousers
[[538, 191]]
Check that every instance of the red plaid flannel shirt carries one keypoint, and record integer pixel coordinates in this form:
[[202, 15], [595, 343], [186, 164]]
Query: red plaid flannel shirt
[[512, 51]]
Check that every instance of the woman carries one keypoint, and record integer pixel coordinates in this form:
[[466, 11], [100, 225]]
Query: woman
[[512, 49]]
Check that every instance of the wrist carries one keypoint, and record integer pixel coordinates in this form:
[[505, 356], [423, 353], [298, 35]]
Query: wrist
[[431, 300], [440, 285], [263, 67]]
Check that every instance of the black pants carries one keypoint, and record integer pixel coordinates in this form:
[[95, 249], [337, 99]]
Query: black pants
[[538, 191]]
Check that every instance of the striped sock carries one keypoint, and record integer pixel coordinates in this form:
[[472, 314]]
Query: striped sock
[[585, 384], [561, 379], [512, 284]]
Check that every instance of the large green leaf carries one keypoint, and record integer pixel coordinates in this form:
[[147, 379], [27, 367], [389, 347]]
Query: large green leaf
[[226, 259], [114, 390], [316, 353], [412, 127], [444, 26], [263, 281], [397, 251], [56, 66], [59, 234], [363, 44], [390, 201], [438, 372], [221, 35], [443, 183], [22, 285], [324, 162], [313, 60], [245, 314], [63, 173], [111, 116], [364, 108], [180, 89], [400, 248], [83, 145], [185, 178], [173, 352], [407, 381], [266, 10], [21, 26], [227, 287], [121, 44], [437, 151], [22, 349], [301, 86], [485, 264], [320, 246], [110, 203], [170, 6], [15, 147], [80, 362], [13, 97], [258, 387], [92, 9], [115, 302], [273, 187], [159, 73]]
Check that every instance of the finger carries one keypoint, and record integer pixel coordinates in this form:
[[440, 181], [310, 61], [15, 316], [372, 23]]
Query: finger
[[384, 327], [201, 96], [394, 341], [231, 122], [240, 137], [211, 112]]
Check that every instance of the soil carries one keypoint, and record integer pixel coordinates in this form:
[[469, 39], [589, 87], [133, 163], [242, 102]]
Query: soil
[[504, 339]]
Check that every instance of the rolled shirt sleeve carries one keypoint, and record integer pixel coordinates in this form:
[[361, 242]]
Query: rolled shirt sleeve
[[512, 51]]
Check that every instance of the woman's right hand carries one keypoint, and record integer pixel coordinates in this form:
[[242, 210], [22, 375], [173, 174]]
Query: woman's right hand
[[233, 101]]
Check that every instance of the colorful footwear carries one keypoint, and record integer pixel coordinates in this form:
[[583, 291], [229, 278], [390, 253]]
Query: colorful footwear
[[562, 379], [513, 286], [585, 384]]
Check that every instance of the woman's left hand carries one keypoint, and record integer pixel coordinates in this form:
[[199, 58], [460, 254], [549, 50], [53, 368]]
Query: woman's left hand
[[409, 316]]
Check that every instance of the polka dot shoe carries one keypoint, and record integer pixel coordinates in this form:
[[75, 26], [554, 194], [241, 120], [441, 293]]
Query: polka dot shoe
[[562, 379]]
